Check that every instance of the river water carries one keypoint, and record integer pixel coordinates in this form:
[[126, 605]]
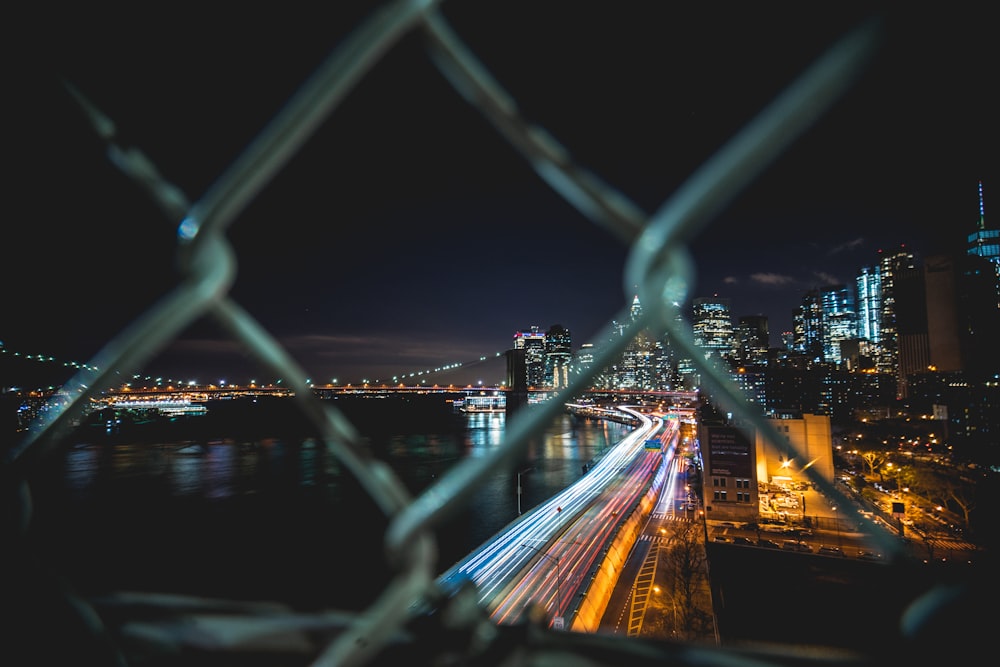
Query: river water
[[243, 503]]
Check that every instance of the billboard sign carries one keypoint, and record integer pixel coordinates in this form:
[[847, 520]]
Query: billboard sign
[[729, 452]]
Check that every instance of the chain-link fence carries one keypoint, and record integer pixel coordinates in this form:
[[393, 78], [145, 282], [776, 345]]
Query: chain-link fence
[[658, 263]]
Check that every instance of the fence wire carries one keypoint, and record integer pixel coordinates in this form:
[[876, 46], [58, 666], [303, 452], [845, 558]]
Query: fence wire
[[658, 263]]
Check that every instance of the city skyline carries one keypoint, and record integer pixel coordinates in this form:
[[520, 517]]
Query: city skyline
[[496, 362], [408, 232]]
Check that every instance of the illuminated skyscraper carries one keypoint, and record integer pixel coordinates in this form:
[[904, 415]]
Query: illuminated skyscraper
[[532, 341], [584, 357], [985, 242], [869, 304], [636, 310], [890, 266], [839, 320], [638, 367], [752, 339], [807, 322], [712, 327], [558, 354]]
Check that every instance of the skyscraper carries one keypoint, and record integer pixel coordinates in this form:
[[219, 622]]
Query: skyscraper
[[913, 354], [752, 339], [890, 266], [963, 327], [585, 359], [839, 320], [638, 367], [532, 341], [807, 321], [558, 354], [985, 242], [712, 327], [869, 303]]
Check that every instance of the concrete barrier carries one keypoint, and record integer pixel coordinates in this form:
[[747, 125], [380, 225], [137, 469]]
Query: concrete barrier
[[588, 614]]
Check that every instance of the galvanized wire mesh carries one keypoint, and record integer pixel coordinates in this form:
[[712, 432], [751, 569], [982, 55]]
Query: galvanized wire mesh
[[659, 265]]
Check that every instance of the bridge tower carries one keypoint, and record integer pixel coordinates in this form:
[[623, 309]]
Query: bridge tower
[[517, 379]]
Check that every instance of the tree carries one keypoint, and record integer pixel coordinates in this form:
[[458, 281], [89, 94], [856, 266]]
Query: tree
[[858, 483], [941, 485], [962, 495], [684, 564], [874, 460]]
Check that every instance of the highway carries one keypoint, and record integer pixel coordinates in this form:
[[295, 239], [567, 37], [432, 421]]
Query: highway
[[547, 555]]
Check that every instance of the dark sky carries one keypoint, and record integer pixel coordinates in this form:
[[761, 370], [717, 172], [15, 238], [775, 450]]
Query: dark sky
[[407, 234]]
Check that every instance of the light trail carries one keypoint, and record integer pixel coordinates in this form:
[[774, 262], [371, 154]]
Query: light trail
[[545, 556]]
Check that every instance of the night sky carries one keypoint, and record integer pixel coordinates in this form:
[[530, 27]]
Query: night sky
[[407, 234]]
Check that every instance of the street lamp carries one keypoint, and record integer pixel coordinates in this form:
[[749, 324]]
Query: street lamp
[[557, 620], [836, 522], [521, 472]]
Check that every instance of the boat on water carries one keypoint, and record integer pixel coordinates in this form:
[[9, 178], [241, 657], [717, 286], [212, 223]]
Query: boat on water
[[166, 407], [494, 402], [187, 409]]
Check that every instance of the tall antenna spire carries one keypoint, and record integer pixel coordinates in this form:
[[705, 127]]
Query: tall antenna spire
[[982, 213]]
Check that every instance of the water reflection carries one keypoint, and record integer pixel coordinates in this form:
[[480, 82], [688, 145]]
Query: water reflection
[[185, 474], [220, 459], [483, 431], [82, 466], [309, 467], [225, 469]]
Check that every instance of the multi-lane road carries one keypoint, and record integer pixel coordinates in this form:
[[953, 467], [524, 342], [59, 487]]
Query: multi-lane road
[[547, 557]]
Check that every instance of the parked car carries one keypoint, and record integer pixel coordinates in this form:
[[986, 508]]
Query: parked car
[[773, 528], [739, 539], [830, 551], [768, 544], [796, 545]]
